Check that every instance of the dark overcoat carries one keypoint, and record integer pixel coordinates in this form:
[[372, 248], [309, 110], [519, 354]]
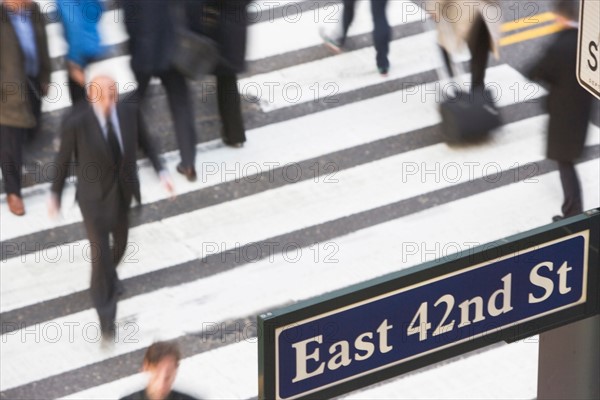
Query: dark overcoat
[[151, 29], [568, 104], [15, 106]]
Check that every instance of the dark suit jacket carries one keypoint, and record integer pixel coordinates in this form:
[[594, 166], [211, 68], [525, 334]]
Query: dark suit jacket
[[150, 25], [98, 179], [15, 107], [569, 105]]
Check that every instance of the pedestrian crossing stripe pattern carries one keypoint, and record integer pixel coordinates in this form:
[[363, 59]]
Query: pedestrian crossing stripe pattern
[[324, 231], [282, 33]]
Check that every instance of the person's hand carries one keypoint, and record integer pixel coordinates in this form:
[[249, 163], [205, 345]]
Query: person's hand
[[167, 184], [53, 205], [76, 73]]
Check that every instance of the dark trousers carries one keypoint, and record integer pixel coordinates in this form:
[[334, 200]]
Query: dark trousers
[[76, 91], [180, 104], [572, 204], [11, 157], [12, 140], [381, 33], [105, 259], [230, 108], [35, 100], [479, 46]]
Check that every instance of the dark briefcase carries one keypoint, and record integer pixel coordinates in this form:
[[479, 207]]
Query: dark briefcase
[[469, 116], [195, 55]]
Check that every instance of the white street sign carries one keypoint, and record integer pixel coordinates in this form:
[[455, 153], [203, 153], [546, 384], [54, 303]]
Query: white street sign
[[588, 55]]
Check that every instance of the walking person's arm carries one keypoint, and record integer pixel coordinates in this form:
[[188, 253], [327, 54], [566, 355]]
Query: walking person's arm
[[62, 163], [146, 144]]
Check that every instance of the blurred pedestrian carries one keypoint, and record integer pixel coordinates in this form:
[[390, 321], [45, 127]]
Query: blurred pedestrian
[[381, 32], [161, 363], [476, 24], [569, 105], [24, 79], [80, 21], [226, 23], [103, 139], [151, 29]]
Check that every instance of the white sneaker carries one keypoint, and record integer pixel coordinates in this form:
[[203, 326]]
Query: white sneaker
[[334, 45]]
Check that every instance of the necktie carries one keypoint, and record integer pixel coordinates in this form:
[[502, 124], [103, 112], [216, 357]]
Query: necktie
[[113, 142]]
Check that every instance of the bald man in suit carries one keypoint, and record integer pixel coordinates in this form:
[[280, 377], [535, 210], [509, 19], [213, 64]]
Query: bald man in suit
[[102, 136]]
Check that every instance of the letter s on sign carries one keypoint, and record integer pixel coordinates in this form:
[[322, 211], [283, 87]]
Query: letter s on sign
[[540, 281], [593, 46]]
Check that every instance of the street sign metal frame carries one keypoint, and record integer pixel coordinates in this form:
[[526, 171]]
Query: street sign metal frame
[[581, 49], [268, 323]]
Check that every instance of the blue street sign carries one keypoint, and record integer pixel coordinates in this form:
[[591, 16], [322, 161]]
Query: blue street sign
[[358, 339]]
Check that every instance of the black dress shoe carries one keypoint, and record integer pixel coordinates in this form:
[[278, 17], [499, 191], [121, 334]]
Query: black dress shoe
[[236, 145], [557, 218], [188, 172], [108, 331]]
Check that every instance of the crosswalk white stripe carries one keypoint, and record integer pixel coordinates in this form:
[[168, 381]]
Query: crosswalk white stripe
[[305, 138], [299, 31], [184, 237], [57, 45], [327, 78], [111, 27], [58, 92], [192, 235], [168, 313]]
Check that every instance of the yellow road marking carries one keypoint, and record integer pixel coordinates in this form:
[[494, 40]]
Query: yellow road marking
[[531, 34], [528, 21]]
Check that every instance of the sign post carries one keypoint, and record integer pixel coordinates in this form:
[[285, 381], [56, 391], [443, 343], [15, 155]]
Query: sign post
[[588, 53], [505, 291]]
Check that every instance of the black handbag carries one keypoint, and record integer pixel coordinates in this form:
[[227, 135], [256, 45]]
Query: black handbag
[[469, 116], [196, 52], [195, 55]]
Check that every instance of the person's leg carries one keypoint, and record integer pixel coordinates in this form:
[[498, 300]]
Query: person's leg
[[180, 104], [102, 286], [230, 109], [142, 86], [11, 142], [36, 105], [120, 233], [76, 91], [347, 18], [381, 34], [572, 204], [447, 61], [479, 46]]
